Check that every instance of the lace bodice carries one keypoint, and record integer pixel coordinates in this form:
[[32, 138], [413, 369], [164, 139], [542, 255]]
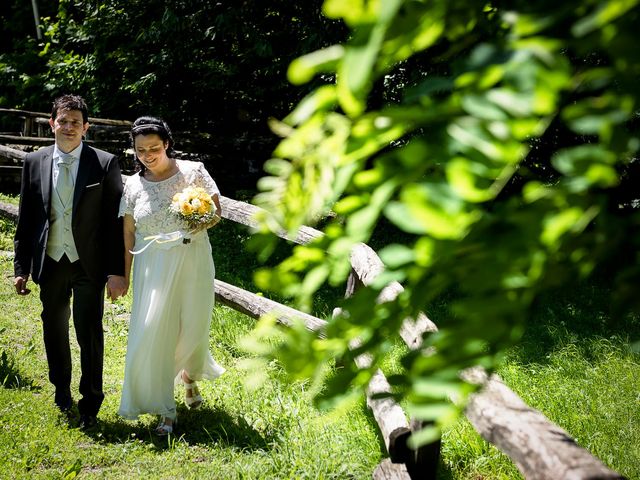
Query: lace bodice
[[148, 202]]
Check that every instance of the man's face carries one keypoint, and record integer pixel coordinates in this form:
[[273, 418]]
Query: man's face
[[68, 128]]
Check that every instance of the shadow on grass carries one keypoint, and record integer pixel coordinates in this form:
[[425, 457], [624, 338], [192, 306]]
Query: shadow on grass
[[10, 376], [206, 426], [574, 316]]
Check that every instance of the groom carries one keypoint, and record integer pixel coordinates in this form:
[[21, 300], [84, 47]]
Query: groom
[[69, 239]]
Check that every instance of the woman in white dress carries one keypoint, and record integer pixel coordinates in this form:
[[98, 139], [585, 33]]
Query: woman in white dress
[[173, 279]]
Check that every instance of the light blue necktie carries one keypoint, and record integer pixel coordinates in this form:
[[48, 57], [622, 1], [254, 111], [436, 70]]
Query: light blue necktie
[[64, 185]]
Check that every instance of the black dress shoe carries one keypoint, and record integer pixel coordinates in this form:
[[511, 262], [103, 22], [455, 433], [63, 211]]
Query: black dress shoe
[[87, 422]]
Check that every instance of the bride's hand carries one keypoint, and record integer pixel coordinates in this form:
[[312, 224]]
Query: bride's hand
[[205, 226]]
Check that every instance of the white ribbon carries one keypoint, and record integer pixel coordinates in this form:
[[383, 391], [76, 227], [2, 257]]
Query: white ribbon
[[160, 238]]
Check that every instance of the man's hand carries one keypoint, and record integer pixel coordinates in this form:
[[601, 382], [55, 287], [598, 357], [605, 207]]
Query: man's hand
[[117, 286], [21, 285]]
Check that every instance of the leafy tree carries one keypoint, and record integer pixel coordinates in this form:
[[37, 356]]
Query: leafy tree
[[20, 64], [504, 154], [215, 68]]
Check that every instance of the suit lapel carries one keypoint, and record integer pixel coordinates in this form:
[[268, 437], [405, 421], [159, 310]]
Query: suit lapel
[[84, 168], [46, 168]]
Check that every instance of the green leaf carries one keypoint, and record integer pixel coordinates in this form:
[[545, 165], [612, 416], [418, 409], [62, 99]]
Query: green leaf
[[349, 204], [557, 224], [424, 437], [466, 176], [605, 13], [431, 411], [314, 279], [590, 165], [481, 107], [322, 99], [598, 115], [431, 209], [354, 12], [303, 69], [356, 70], [517, 104], [396, 255]]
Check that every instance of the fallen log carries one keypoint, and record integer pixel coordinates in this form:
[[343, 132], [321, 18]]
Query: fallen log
[[245, 214], [255, 306], [96, 120], [8, 211], [44, 141], [387, 470], [12, 153], [532, 441], [367, 266], [539, 448], [391, 419]]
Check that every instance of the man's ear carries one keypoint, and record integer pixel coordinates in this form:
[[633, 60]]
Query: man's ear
[[51, 121], [85, 127]]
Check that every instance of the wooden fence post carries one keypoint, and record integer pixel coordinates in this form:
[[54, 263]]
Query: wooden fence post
[[420, 463]]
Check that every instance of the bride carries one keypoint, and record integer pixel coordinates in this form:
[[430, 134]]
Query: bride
[[173, 279]]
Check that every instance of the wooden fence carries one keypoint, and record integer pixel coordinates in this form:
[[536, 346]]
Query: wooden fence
[[539, 448], [36, 124]]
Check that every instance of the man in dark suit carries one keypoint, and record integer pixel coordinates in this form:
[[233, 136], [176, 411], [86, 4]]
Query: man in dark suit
[[69, 239]]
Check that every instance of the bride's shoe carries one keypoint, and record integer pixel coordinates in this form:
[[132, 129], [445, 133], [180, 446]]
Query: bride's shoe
[[164, 429], [194, 400]]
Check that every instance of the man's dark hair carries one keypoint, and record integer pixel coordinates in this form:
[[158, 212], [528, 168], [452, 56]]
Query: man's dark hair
[[70, 102]]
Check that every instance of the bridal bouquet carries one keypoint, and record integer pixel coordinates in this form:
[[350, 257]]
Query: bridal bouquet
[[193, 205]]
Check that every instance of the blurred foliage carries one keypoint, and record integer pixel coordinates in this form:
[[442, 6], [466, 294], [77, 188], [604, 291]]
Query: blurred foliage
[[506, 152]]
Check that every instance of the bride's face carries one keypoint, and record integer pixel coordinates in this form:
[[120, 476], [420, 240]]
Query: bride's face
[[152, 151]]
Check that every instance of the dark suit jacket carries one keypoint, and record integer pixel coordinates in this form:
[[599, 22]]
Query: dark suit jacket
[[97, 230]]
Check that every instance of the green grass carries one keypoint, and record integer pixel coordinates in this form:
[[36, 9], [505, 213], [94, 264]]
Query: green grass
[[12, 199], [272, 431], [572, 364], [577, 367], [7, 226]]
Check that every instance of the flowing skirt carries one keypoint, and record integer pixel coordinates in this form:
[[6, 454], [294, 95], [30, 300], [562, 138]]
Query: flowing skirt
[[169, 330]]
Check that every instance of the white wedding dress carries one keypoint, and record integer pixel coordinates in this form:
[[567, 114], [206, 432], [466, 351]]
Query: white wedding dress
[[172, 296]]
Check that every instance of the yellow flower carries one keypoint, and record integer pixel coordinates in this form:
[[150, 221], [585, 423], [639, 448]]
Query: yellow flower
[[186, 208], [203, 208], [194, 205]]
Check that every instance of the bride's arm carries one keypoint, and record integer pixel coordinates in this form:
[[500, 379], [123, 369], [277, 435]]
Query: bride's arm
[[129, 229]]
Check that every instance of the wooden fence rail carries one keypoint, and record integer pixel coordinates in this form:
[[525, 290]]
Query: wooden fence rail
[[539, 448], [32, 121], [35, 130], [43, 141]]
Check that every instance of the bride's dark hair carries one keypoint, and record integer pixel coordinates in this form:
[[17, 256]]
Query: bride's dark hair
[[148, 125]]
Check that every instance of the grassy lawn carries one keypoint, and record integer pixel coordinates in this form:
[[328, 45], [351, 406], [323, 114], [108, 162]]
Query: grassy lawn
[[581, 372], [269, 432], [572, 365]]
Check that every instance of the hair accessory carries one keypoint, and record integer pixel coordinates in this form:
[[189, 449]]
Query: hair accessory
[[148, 127]]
